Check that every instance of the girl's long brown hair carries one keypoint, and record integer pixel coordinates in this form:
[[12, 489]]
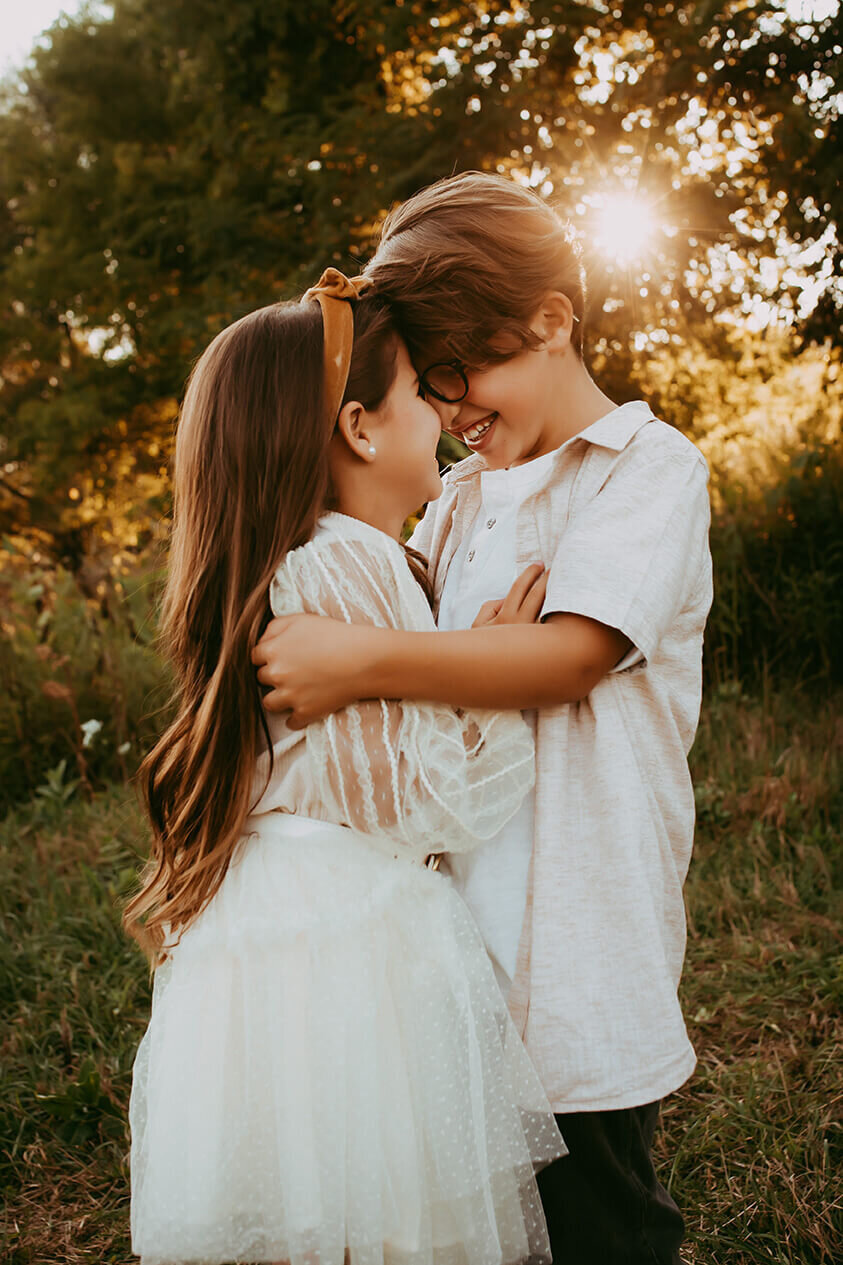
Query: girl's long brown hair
[[250, 480]]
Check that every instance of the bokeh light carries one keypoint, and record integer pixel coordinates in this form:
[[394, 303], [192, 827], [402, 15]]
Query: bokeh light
[[625, 227]]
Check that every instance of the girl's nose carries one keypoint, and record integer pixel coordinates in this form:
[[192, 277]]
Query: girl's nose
[[447, 412]]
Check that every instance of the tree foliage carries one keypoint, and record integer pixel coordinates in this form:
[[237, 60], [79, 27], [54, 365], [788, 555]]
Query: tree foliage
[[165, 171]]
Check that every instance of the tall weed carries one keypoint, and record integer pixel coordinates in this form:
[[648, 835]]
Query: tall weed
[[778, 572], [81, 681]]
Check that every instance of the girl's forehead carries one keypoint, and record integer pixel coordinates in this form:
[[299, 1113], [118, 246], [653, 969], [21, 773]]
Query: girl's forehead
[[436, 353]]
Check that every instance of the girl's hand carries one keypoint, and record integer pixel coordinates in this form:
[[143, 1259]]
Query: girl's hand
[[522, 604], [310, 663]]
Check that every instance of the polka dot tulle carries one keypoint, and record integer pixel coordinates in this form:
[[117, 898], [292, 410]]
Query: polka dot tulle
[[310, 1085]]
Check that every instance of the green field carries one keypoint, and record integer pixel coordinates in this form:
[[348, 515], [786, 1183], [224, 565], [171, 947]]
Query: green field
[[751, 1146]]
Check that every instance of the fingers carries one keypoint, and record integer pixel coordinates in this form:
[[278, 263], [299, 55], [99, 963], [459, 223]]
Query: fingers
[[534, 601], [487, 613], [522, 604], [301, 717], [261, 652], [515, 597], [275, 700], [298, 716]]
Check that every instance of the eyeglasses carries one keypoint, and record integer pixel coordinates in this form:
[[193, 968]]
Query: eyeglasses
[[446, 381]]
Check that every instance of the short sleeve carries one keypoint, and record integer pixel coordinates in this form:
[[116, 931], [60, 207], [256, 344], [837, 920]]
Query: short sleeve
[[428, 776], [635, 554]]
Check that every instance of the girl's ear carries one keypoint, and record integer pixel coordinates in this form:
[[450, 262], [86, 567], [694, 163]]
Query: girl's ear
[[554, 321], [354, 430]]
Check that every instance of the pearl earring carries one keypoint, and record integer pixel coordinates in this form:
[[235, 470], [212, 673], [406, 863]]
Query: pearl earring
[[372, 450]]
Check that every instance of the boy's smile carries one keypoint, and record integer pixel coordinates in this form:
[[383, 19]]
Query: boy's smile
[[477, 433]]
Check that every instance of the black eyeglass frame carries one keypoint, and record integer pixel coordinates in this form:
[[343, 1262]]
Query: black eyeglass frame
[[458, 367]]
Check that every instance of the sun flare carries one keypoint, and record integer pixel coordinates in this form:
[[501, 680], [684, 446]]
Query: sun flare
[[625, 227]]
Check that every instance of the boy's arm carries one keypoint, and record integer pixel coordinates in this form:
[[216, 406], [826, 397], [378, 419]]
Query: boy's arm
[[316, 666], [620, 575]]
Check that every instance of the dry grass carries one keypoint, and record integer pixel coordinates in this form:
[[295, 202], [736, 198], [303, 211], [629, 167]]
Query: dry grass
[[751, 1146]]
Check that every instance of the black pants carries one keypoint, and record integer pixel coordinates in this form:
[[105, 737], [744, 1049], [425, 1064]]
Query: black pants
[[603, 1202]]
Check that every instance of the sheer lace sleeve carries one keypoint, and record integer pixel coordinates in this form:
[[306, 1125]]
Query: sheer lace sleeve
[[424, 775]]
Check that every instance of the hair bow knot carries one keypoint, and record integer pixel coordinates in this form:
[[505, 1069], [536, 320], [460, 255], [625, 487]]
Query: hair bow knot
[[334, 284]]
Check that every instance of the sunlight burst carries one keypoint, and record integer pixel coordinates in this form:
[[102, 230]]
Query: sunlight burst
[[625, 226]]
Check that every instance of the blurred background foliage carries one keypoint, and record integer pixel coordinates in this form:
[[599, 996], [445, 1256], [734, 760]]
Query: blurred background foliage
[[167, 165]]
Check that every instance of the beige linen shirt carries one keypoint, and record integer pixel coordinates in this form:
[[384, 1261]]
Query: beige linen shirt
[[621, 519]]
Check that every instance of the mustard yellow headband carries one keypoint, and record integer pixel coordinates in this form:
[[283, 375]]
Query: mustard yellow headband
[[334, 292]]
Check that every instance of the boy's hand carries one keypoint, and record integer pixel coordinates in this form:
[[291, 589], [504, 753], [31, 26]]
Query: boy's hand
[[309, 662], [522, 604]]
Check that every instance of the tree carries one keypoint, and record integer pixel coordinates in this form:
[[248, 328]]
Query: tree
[[166, 171]]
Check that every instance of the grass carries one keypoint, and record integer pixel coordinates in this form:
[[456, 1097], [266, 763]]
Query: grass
[[751, 1147], [75, 995]]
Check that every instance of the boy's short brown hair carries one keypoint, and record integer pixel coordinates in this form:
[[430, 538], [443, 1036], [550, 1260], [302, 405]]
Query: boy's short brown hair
[[469, 259]]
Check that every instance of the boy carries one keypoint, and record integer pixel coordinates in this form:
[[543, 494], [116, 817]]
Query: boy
[[579, 900]]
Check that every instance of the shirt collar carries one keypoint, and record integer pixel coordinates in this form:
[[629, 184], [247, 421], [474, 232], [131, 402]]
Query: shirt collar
[[614, 430]]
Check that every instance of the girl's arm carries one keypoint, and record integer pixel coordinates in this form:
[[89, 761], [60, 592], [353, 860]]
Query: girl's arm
[[316, 666]]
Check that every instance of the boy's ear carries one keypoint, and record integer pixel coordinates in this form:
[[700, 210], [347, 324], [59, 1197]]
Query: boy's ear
[[353, 430], [554, 320]]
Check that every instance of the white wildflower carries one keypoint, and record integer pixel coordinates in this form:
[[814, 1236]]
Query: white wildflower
[[90, 729]]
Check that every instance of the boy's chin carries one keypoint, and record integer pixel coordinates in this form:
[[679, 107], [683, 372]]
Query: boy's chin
[[495, 460], [500, 453]]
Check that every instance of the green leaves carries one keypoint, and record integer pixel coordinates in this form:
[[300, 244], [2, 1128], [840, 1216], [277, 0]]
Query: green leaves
[[83, 1111]]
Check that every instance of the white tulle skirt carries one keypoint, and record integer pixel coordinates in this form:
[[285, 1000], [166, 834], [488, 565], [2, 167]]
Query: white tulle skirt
[[330, 1073]]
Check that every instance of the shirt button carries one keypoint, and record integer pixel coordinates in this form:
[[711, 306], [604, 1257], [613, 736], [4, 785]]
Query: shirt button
[[490, 522], [471, 555]]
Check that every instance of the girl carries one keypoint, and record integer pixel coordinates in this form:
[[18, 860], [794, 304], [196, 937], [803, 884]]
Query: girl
[[330, 1073]]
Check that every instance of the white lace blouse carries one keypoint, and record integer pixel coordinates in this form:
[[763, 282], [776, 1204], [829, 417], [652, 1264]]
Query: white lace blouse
[[422, 777]]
